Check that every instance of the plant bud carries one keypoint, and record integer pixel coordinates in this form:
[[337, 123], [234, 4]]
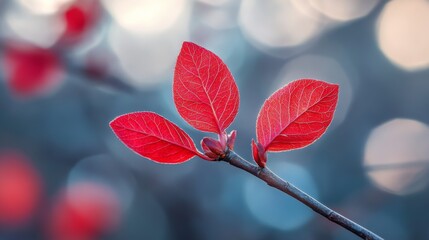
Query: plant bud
[[231, 139], [212, 145], [259, 155]]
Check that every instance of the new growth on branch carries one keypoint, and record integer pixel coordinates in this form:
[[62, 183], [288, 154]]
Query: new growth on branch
[[206, 96]]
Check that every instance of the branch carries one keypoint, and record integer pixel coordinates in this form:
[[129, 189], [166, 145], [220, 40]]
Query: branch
[[275, 181], [78, 70]]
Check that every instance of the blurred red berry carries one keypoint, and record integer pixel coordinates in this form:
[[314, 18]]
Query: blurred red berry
[[84, 212], [76, 20], [20, 189], [79, 18]]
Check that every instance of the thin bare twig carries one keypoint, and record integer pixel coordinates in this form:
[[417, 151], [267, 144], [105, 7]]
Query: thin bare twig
[[275, 181]]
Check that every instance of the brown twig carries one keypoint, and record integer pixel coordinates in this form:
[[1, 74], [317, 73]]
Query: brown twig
[[275, 181]]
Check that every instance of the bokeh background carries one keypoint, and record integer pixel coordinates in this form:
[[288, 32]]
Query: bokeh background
[[68, 67]]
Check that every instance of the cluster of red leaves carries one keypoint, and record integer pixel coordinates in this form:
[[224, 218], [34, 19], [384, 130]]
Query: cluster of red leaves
[[206, 96]]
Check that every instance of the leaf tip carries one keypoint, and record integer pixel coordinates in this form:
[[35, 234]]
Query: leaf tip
[[112, 124], [185, 43], [335, 86], [115, 123], [188, 45]]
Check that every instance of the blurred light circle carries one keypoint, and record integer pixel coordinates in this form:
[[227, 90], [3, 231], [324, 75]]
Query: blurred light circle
[[105, 170], [403, 35], [306, 7], [217, 2], [344, 10], [396, 156], [147, 59], [98, 198], [40, 30], [275, 209], [219, 16], [218, 19], [147, 16], [43, 6], [322, 68], [277, 23]]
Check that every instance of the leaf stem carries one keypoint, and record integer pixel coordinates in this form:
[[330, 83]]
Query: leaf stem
[[275, 181]]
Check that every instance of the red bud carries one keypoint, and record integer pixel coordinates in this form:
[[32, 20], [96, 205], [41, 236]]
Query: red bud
[[204, 146], [223, 137], [255, 151], [207, 151], [211, 155], [231, 139], [213, 146], [259, 154]]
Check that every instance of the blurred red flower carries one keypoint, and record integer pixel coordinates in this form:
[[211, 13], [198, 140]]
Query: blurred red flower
[[20, 189], [30, 70]]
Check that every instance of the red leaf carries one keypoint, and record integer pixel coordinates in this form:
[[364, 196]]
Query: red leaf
[[204, 90], [154, 137], [296, 115]]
